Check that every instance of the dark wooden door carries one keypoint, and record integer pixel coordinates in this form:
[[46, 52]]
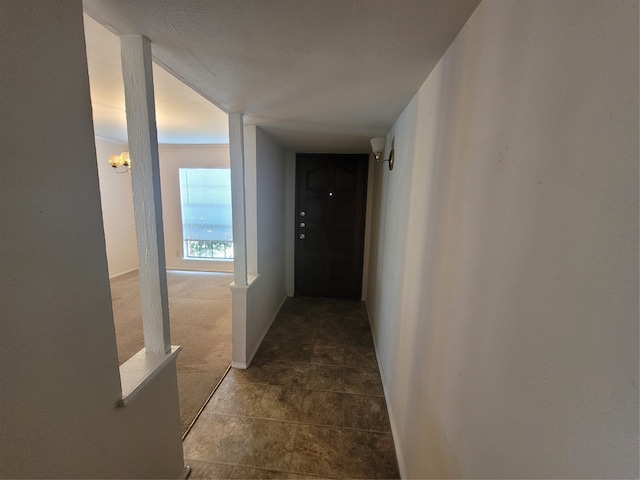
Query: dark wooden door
[[330, 214]]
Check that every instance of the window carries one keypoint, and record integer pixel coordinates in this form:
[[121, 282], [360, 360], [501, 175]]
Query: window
[[205, 197]]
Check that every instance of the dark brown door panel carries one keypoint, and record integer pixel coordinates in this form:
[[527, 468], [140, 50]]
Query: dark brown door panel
[[330, 213]]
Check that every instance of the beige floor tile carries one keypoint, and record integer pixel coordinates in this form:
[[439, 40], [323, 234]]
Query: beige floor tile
[[269, 445], [323, 408], [369, 455], [242, 473], [293, 352], [285, 334], [295, 320], [365, 412], [325, 377], [327, 354], [289, 374], [318, 451], [310, 406], [365, 382], [302, 476], [208, 471], [281, 403], [362, 358], [217, 438], [259, 371], [236, 399]]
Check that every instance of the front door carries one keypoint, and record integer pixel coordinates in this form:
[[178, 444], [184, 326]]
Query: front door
[[330, 213]]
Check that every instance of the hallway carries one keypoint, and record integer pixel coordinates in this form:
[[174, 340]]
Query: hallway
[[311, 403]]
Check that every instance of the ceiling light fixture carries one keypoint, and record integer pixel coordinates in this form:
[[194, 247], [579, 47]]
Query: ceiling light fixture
[[377, 145], [122, 160]]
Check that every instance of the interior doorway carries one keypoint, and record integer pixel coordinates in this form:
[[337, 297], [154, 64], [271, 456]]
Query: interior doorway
[[329, 224]]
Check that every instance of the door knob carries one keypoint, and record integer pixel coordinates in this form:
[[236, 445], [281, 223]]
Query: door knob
[[302, 236]]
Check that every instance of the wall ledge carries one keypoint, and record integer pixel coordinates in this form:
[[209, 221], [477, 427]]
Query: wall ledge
[[251, 281], [140, 369]]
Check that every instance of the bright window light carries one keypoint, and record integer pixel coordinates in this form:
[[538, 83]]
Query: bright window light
[[205, 198]]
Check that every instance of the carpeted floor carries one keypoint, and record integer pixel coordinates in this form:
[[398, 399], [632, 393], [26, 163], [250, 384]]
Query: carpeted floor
[[200, 315]]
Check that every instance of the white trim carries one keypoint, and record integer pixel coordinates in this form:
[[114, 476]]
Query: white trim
[[122, 273], [251, 197], [186, 472], [182, 144], [200, 269], [140, 369], [251, 279], [244, 365], [145, 182], [207, 259], [238, 207], [239, 295], [112, 140], [264, 334]]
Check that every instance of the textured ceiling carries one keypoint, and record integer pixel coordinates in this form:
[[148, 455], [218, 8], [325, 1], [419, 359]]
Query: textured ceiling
[[320, 75], [182, 115]]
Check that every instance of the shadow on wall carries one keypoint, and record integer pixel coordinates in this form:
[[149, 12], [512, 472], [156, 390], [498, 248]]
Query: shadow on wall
[[504, 290]]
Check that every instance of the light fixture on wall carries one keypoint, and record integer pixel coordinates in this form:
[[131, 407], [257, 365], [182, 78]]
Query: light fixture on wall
[[377, 145], [122, 160]]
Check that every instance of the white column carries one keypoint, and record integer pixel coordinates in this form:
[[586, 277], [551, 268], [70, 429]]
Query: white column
[[145, 175], [236, 152]]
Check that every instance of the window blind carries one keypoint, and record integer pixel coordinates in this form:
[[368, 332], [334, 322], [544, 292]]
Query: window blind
[[205, 196]]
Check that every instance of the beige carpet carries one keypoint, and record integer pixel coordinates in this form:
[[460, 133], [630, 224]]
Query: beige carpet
[[200, 315]]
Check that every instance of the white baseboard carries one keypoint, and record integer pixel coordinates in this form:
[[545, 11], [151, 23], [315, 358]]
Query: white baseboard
[[122, 273], [264, 334], [186, 472]]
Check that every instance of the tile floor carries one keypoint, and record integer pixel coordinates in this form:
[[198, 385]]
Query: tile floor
[[310, 405]]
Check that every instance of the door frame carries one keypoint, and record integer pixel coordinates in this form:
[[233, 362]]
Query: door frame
[[290, 222], [291, 218]]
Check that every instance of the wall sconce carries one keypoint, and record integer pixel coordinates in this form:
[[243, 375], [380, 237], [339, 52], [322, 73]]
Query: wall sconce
[[377, 145], [122, 160]]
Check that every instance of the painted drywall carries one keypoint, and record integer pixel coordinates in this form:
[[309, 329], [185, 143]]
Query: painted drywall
[[58, 360], [503, 285], [117, 205], [366, 253], [268, 292], [172, 158], [250, 197], [117, 210], [317, 75]]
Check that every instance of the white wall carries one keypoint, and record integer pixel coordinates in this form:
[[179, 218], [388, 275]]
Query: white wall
[[503, 286], [172, 158], [117, 210], [58, 361], [117, 205], [268, 292]]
